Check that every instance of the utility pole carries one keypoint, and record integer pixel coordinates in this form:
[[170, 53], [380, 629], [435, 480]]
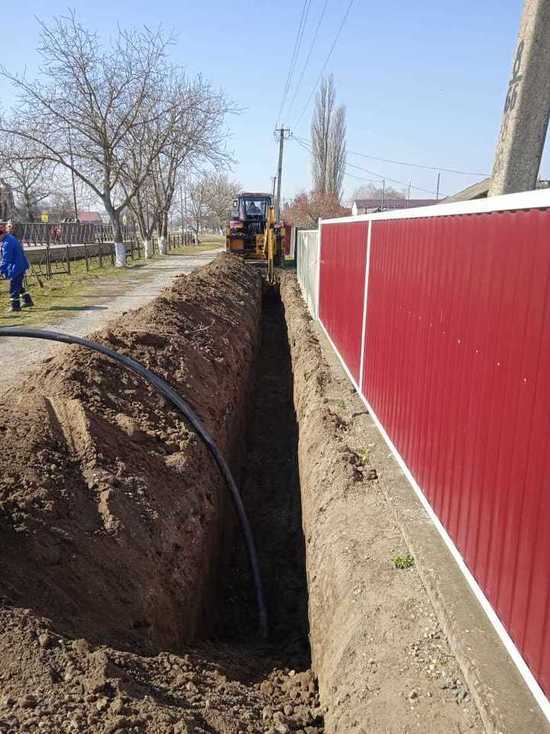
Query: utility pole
[[274, 184], [527, 105], [284, 134], [437, 189], [383, 193]]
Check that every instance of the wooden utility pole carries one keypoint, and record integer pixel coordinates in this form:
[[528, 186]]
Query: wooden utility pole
[[284, 134], [527, 105]]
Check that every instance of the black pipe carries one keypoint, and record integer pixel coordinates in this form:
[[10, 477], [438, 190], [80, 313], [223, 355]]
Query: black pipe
[[168, 391]]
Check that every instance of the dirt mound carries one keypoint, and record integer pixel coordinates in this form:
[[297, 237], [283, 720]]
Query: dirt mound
[[54, 684], [111, 511], [112, 528]]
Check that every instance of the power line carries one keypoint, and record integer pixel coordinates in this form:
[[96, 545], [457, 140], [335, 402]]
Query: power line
[[418, 165], [295, 55], [308, 57], [306, 146], [338, 33]]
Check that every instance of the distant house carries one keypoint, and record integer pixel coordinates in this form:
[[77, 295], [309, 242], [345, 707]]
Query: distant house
[[367, 206], [90, 218]]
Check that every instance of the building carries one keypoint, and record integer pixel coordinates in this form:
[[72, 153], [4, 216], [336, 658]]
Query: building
[[367, 206], [90, 217]]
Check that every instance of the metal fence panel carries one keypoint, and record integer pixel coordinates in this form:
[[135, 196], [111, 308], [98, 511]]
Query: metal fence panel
[[457, 358], [341, 288], [307, 266]]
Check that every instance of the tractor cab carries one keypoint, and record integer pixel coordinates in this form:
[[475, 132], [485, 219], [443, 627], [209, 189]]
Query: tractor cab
[[247, 224]]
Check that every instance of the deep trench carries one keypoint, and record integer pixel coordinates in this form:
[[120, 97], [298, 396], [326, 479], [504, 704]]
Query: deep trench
[[271, 493]]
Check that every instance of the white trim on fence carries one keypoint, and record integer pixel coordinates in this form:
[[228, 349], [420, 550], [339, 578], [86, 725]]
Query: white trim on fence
[[317, 316], [507, 641], [364, 325], [539, 199]]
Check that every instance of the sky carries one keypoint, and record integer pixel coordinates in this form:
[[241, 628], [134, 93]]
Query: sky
[[422, 82]]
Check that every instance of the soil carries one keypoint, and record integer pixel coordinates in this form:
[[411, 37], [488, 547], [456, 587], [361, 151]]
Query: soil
[[115, 528], [127, 605], [383, 661]]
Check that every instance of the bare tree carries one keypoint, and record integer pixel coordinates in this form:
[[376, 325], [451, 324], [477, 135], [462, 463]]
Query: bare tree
[[194, 136], [197, 203], [379, 192], [328, 140], [220, 195], [101, 99], [28, 176], [336, 167]]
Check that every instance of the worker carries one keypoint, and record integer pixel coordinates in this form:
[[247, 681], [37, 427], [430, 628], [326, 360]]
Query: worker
[[253, 210], [13, 266]]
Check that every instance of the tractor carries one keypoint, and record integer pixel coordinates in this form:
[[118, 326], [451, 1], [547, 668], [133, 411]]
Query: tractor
[[253, 232]]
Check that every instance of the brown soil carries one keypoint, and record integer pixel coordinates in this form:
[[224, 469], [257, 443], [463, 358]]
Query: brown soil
[[383, 661], [114, 525]]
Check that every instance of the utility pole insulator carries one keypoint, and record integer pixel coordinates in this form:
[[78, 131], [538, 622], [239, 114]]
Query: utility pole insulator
[[527, 105]]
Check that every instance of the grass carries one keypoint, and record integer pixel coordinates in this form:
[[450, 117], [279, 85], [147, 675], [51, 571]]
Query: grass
[[68, 295], [403, 561]]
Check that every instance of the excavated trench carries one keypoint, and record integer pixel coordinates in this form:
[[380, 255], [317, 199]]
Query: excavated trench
[[274, 673], [271, 494]]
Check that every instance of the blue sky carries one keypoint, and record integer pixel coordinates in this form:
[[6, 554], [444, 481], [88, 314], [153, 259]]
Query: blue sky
[[422, 82]]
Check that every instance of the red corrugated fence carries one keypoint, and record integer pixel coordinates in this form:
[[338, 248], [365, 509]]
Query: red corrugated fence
[[457, 370]]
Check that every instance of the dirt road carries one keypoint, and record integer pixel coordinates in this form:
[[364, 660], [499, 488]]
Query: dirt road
[[109, 299]]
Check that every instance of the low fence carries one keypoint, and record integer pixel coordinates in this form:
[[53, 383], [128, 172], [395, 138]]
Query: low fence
[[53, 248], [441, 317]]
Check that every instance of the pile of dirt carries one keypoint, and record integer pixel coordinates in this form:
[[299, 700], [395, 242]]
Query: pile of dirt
[[51, 683], [115, 530], [383, 661], [111, 511]]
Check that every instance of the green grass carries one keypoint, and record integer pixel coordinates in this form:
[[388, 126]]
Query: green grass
[[403, 561], [68, 295]]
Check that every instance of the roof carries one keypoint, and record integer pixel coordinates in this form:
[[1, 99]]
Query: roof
[[476, 191], [89, 217], [401, 203]]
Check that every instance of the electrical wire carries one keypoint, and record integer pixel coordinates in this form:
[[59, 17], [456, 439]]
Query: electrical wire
[[294, 58], [163, 387], [308, 57], [325, 63], [418, 165], [306, 146]]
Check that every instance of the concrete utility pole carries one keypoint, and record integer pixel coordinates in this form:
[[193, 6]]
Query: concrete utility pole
[[284, 134], [527, 106]]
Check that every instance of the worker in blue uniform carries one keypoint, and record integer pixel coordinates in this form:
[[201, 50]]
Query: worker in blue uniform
[[13, 266]]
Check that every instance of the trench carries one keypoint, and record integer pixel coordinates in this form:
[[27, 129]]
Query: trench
[[271, 493], [270, 486]]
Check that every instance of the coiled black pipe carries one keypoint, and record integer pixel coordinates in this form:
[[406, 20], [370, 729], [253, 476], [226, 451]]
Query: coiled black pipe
[[178, 402]]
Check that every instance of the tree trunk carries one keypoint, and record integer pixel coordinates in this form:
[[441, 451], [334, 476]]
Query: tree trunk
[[120, 247], [163, 233]]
